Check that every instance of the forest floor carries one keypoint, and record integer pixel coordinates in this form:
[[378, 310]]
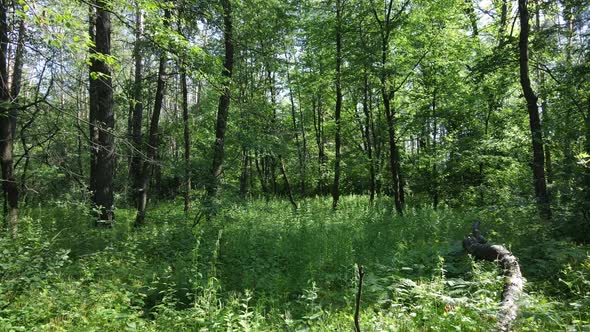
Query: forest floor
[[261, 266]]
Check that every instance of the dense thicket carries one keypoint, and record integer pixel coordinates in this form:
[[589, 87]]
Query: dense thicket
[[428, 102]]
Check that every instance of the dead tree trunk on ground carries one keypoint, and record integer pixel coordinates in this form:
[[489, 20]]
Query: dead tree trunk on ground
[[476, 245]]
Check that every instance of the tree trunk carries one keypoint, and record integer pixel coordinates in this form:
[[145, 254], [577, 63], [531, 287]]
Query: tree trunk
[[393, 156], [338, 138], [137, 113], [300, 151], [476, 245], [435, 185], [304, 149], [245, 173], [17, 74], [224, 100], [370, 142], [102, 119], [287, 185], [153, 139], [9, 185], [187, 141], [534, 119], [587, 168], [318, 123]]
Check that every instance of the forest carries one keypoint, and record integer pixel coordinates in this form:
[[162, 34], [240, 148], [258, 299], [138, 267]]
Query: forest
[[295, 165]]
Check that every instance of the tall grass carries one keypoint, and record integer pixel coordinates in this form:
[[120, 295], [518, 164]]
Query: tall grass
[[262, 266]]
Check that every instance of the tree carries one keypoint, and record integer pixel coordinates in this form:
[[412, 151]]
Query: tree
[[338, 110], [137, 106], [531, 98], [9, 184], [224, 100], [387, 24], [153, 137], [101, 116]]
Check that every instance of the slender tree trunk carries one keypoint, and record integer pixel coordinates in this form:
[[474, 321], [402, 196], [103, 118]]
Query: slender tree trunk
[[287, 185], [393, 157], [435, 185], [367, 133], [245, 173], [304, 149], [17, 74], [187, 141], [470, 11], [318, 126], [534, 119], [102, 120], [300, 152], [224, 100], [390, 118], [587, 168], [338, 138], [376, 135], [153, 139], [9, 185], [260, 170], [137, 113]]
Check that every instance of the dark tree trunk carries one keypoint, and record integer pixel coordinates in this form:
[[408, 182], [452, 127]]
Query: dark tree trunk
[[187, 141], [300, 151], [9, 185], [260, 169], [304, 149], [153, 138], [17, 74], [367, 133], [503, 21], [287, 185], [393, 156], [137, 113], [435, 185], [102, 119], [534, 119], [470, 11], [587, 169], [388, 95], [224, 100], [245, 173], [338, 138], [319, 136]]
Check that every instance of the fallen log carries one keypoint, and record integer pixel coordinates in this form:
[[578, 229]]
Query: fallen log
[[476, 245]]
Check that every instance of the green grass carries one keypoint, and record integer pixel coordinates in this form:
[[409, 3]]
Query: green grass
[[262, 266]]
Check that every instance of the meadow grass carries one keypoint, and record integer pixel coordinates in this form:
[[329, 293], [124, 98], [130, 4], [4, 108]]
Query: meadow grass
[[262, 266]]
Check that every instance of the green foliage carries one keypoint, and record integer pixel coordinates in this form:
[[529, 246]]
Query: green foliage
[[263, 266]]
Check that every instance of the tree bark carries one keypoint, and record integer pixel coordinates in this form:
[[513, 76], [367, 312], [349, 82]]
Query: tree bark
[[224, 101], [476, 245], [245, 174], [393, 157], [9, 184], [388, 94], [338, 138], [287, 185], [153, 138], [102, 119], [187, 141], [137, 113], [534, 119], [367, 133]]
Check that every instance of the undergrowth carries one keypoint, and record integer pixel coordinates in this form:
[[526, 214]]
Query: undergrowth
[[262, 266]]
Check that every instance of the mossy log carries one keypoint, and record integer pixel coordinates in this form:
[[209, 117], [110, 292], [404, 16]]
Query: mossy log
[[476, 245]]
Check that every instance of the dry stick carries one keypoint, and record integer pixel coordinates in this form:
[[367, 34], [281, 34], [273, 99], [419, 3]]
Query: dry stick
[[476, 245], [357, 327]]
